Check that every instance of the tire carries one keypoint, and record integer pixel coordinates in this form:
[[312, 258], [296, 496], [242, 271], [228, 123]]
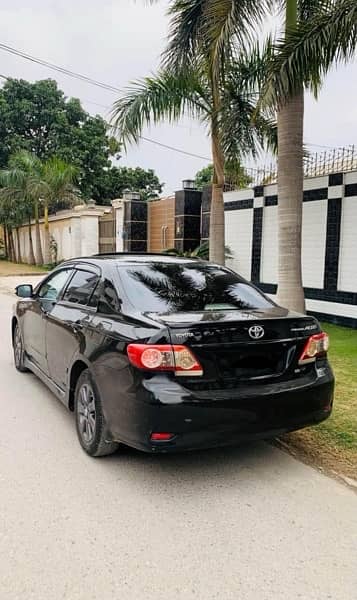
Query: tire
[[90, 422], [19, 353]]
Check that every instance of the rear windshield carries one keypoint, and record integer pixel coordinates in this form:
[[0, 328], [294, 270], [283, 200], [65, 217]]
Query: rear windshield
[[181, 287]]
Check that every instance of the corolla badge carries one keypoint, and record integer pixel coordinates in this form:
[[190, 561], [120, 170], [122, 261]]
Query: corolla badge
[[256, 332]]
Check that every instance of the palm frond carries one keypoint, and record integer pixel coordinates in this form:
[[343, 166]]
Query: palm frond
[[248, 68], [165, 96], [58, 182], [211, 29], [185, 35], [232, 21], [246, 129], [24, 161], [310, 50], [309, 8]]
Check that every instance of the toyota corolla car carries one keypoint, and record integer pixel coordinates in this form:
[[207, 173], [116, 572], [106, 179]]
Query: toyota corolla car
[[164, 353]]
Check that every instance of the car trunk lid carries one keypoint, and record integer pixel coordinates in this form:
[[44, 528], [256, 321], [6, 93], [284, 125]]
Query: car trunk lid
[[235, 346]]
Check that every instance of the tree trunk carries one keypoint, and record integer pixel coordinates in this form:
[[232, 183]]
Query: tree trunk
[[9, 247], [10, 256], [216, 228], [46, 253], [290, 194], [290, 191], [6, 242], [19, 257], [39, 255], [12, 246], [31, 257]]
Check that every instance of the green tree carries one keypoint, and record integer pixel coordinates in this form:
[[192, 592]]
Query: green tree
[[29, 185], [204, 177], [37, 117], [226, 110], [19, 199], [56, 184], [11, 214], [112, 183], [234, 174]]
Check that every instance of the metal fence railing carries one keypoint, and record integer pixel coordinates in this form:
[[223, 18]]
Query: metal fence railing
[[336, 160]]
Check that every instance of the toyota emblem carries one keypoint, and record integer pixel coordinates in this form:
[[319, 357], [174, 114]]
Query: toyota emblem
[[256, 332]]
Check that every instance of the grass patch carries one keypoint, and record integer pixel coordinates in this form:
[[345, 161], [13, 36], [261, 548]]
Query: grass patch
[[342, 426], [333, 443], [8, 268]]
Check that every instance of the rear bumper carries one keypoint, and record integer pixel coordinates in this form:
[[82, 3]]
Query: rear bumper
[[225, 417]]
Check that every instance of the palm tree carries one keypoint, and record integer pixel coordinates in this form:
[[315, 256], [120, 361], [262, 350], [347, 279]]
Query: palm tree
[[21, 181], [5, 222], [291, 171], [216, 27], [290, 188], [326, 33], [11, 216], [27, 184], [18, 194], [56, 185], [226, 109]]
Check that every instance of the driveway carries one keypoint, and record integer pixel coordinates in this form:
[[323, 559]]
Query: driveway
[[247, 523]]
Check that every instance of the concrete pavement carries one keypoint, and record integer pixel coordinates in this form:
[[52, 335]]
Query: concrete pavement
[[246, 523]]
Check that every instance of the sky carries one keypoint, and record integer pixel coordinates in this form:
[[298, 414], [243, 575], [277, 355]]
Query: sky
[[117, 41]]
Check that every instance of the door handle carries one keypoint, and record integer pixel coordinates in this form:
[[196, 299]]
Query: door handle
[[45, 311], [77, 326]]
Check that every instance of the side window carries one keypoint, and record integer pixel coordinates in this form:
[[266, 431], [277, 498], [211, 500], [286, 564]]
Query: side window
[[51, 289], [109, 302], [81, 287]]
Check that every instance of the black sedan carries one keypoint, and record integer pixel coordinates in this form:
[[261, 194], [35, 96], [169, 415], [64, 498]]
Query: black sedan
[[164, 353]]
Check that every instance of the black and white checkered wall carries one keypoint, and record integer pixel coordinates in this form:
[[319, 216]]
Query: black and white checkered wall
[[329, 247]]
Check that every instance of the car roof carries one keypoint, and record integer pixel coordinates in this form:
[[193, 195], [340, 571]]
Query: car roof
[[130, 257]]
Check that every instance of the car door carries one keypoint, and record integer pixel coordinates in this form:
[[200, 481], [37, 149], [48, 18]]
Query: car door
[[69, 323], [37, 312]]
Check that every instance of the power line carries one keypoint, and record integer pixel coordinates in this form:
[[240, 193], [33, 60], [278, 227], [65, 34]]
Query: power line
[[110, 88], [55, 67], [172, 148]]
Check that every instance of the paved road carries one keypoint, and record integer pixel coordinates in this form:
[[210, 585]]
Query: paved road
[[238, 524]]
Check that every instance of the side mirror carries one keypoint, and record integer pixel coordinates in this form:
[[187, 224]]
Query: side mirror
[[24, 291]]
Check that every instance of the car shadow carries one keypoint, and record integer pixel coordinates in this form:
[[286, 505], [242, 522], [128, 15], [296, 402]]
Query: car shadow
[[179, 471], [197, 469]]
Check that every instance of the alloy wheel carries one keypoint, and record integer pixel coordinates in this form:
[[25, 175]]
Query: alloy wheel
[[17, 347], [86, 413]]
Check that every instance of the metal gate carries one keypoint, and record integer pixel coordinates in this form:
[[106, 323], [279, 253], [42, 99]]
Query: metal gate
[[107, 240]]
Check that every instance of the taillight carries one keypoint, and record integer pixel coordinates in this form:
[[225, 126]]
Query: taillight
[[156, 357], [161, 436], [317, 345]]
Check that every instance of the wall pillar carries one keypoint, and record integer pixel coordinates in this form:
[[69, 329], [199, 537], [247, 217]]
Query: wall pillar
[[135, 226], [118, 207], [187, 218]]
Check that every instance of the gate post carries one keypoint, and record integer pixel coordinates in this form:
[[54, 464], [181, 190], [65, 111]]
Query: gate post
[[187, 217], [135, 223]]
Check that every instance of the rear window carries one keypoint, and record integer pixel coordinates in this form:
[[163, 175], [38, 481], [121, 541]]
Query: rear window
[[175, 287]]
